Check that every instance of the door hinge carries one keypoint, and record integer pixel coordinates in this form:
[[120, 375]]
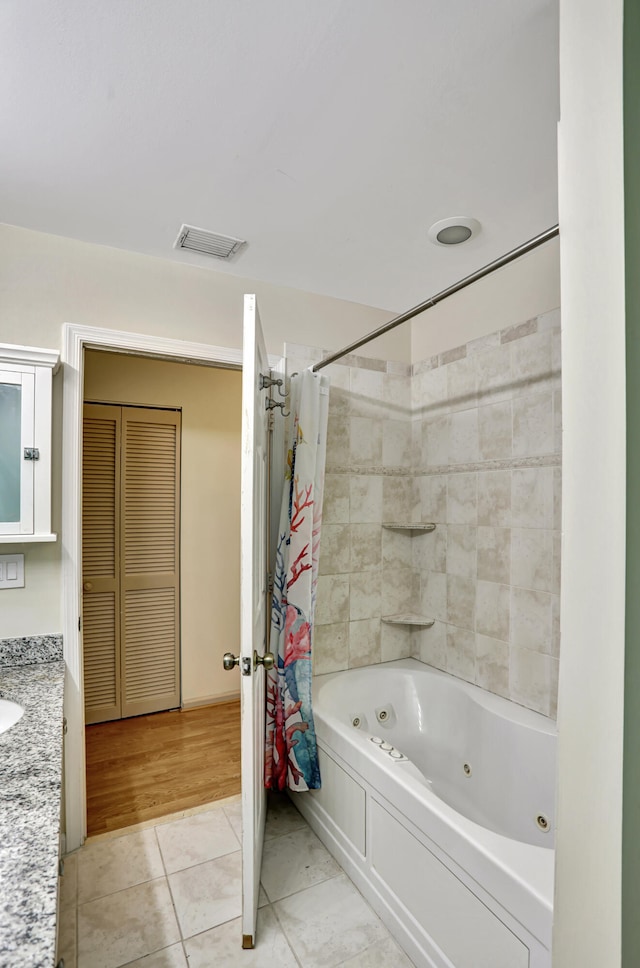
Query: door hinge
[[31, 453], [79, 623]]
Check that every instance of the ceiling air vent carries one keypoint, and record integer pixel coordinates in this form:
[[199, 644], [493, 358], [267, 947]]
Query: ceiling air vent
[[208, 243]]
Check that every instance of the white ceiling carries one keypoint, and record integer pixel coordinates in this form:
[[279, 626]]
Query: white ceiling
[[329, 134]]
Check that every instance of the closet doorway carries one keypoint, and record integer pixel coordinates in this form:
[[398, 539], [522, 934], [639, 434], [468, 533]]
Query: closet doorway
[[130, 561], [160, 586]]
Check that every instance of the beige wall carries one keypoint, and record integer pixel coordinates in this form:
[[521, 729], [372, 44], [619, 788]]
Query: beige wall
[[46, 281], [210, 400], [526, 288]]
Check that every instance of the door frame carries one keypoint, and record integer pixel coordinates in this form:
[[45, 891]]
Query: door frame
[[75, 339]]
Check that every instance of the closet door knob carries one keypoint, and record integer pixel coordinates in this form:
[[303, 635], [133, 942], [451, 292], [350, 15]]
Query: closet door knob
[[87, 586], [229, 660]]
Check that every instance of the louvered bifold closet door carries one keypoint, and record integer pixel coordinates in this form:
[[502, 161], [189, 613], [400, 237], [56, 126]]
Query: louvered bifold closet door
[[149, 580], [100, 562]]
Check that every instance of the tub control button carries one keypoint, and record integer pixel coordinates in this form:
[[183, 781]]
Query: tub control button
[[386, 747], [377, 740], [396, 755]]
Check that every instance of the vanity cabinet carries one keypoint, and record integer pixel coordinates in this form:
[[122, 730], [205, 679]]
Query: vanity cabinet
[[26, 375]]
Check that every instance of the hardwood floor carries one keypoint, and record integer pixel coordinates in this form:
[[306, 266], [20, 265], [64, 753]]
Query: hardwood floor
[[148, 766]]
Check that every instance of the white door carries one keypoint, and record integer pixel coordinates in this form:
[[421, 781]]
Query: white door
[[254, 611]]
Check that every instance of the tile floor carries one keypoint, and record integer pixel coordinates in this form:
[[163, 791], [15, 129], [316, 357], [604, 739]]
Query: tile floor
[[168, 896]]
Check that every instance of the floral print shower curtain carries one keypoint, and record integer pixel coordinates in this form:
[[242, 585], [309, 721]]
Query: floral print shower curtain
[[291, 753]]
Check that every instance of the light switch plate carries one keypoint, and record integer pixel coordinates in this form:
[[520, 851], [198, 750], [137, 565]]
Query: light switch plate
[[11, 571]]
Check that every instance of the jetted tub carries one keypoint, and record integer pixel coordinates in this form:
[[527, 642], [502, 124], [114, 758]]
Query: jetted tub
[[438, 801]]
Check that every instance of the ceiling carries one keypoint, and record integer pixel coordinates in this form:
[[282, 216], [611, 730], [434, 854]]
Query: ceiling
[[330, 135]]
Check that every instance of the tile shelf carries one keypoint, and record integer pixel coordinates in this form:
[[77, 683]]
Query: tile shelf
[[409, 526], [409, 618]]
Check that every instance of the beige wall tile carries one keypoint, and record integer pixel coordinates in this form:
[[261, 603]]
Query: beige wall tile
[[429, 551], [531, 678], [396, 390], [397, 591], [429, 393], [430, 645], [330, 648], [396, 443], [335, 502], [395, 642], [338, 441], [494, 555], [533, 425], [495, 431], [493, 375], [461, 550], [557, 498], [366, 441], [436, 439], [433, 597], [532, 558], [432, 490], [531, 358], [494, 498], [365, 499], [396, 549], [531, 619], [462, 498], [492, 610], [365, 595], [492, 665], [367, 392], [332, 604], [461, 384], [461, 601], [463, 445], [366, 547], [335, 549], [461, 653], [532, 497], [400, 499], [364, 643], [557, 421], [519, 330]]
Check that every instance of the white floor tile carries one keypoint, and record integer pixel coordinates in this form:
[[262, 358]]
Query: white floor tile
[[207, 895], [233, 811], [221, 946], [282, 816], [67, 947], [382, 954], [113, 865], [295, 862], [172, 957], [329, 923], [69, 881], [196, 839], [117, 929]]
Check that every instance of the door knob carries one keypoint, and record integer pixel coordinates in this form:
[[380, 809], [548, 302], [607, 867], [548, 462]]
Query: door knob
[[229, 660], [267, 660], [87, 586]]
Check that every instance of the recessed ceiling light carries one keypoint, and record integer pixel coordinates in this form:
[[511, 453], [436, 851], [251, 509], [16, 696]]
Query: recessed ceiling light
[[454, 231]]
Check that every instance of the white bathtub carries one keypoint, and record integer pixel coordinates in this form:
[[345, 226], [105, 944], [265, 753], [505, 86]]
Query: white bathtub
[[452, 844]]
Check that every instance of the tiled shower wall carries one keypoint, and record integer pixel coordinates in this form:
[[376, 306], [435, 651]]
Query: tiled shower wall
[[470, 440]]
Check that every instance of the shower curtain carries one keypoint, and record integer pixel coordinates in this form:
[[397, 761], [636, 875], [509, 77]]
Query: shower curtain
[[291, 754]]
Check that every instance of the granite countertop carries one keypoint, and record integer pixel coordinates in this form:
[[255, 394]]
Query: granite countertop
[[30, 791]]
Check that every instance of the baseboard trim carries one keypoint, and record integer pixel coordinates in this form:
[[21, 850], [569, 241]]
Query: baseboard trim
[[209, 700]]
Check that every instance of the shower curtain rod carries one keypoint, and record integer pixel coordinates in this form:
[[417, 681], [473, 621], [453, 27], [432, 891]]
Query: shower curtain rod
[[449, 291]]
